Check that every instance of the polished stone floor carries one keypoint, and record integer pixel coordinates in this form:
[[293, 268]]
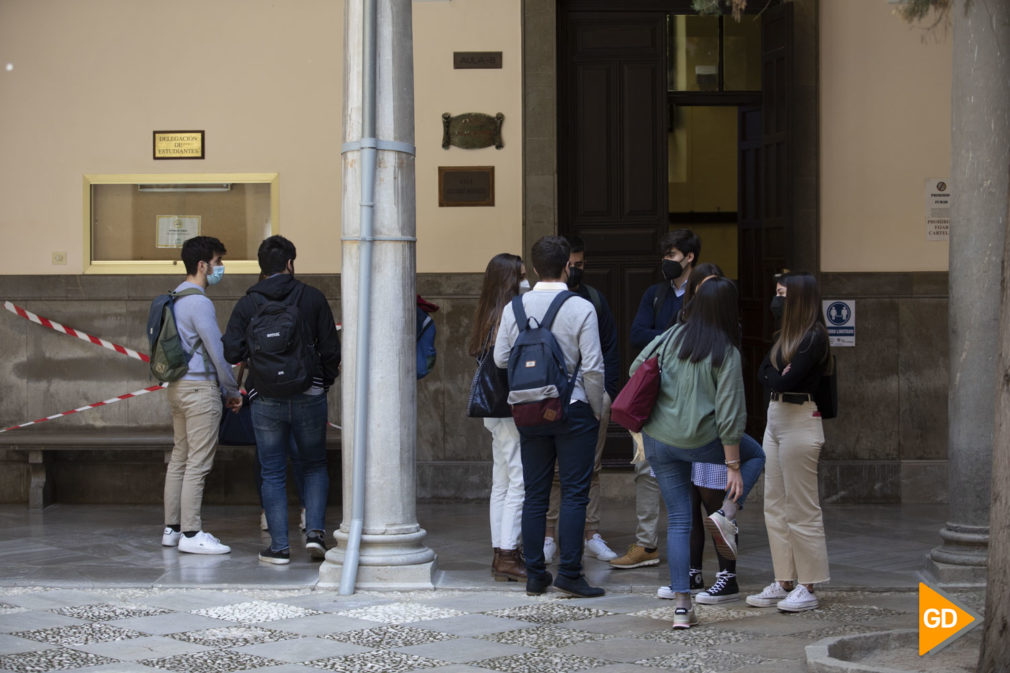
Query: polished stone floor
[[88, 588]]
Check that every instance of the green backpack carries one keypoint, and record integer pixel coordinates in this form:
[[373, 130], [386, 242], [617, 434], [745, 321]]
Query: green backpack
[[169, 359]]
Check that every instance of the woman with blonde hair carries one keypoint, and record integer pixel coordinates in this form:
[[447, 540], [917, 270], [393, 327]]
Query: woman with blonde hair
[[504, 278], [792, 443]]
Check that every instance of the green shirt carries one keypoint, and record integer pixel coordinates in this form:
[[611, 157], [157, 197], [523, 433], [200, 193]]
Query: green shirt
[[697, 402]]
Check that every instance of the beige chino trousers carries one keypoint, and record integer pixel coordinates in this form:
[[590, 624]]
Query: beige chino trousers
[[196, 419], [792, 443]]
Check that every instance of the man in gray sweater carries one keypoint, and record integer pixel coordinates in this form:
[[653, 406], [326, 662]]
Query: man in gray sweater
[[195, 400], [573, 445]]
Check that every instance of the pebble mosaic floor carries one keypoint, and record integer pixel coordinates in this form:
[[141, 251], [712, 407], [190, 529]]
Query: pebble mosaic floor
[[130, 630]]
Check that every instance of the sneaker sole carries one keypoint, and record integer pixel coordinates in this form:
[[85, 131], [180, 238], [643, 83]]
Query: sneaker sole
[[640, 564], [798, 608], [684, 625], [275, 561], [208, 552], [725, 546], [763, 602], [315, 552], [169, 543], [715, 600]]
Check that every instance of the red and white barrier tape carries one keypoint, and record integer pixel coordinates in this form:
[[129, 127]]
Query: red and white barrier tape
[[107, 402], [63, 329]]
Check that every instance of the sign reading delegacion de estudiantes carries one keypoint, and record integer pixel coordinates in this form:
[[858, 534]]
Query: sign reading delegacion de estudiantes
[[178, 144]]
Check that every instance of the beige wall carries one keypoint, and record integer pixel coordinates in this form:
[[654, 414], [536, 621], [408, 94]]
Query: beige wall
[[92, 80], [464, 239], [885, 129]]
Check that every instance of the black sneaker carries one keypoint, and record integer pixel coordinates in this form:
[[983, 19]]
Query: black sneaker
[[316, 547], [697, 581], [577, 587], [280, 558], [724, 589]]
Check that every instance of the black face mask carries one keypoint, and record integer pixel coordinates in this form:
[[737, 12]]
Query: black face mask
[[574, 276], [672, 270], [778, 306]]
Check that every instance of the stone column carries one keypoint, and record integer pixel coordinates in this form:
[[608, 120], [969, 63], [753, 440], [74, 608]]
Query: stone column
[[392, 553], [980, 161]]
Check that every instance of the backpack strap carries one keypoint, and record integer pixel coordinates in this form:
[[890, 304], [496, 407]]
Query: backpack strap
[[659, 299], [552, 310], [522, 322], [199, 342]]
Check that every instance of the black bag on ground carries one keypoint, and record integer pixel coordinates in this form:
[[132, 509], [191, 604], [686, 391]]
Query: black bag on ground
[[826, 395], [281, 359]]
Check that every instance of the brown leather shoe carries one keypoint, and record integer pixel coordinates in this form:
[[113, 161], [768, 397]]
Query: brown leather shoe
[[509, 566]]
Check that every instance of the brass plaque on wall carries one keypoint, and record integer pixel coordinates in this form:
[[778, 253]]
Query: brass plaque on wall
[[465, 186], [178, 144], [476, 60], [472, 130]]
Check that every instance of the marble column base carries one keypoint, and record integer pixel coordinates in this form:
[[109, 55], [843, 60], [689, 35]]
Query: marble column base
[[394, 561], [962, 560]]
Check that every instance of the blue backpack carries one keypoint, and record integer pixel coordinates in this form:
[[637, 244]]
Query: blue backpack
[[426, 352], [540, 388]]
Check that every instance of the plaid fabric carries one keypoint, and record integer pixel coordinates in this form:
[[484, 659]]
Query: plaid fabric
[[708, 475]]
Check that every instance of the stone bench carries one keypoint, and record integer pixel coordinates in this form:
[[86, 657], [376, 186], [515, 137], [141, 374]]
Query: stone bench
[[37, 447]]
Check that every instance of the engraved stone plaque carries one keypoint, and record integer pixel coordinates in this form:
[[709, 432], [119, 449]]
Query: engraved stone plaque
[[472, 130]]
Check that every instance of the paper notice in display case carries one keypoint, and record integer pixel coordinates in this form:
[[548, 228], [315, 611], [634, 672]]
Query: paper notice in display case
[[937, 209], [840, 317], [174, 230]]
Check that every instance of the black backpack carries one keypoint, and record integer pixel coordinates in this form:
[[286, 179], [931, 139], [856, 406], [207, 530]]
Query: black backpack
[[282, 360], [540, 388]]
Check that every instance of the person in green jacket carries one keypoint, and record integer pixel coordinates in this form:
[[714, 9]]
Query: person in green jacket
[[699, 416]]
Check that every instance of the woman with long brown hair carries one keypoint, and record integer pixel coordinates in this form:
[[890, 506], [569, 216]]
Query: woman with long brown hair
[[792, 443], [504, 278]]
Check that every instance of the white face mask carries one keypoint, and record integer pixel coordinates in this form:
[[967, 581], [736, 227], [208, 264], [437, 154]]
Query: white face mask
[[524, 286]]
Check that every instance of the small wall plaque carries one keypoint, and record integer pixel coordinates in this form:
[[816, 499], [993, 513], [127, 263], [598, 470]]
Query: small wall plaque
[[465, 186], [472, 130], [476, 60], [178, 144]]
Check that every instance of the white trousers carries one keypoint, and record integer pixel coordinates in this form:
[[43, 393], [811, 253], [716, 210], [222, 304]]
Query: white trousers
[[792, 443], [507, 491]]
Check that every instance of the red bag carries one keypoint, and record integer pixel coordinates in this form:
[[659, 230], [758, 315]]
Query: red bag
[[634, 403]]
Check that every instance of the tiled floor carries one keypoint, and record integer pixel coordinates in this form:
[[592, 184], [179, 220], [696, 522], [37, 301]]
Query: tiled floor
[[88, 588]]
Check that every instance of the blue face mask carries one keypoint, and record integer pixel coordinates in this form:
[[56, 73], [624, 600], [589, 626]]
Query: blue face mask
[[217, 273]]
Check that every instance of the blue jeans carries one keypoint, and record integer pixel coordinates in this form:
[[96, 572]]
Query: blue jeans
[[574, 449], [672, 466], [293, 425]]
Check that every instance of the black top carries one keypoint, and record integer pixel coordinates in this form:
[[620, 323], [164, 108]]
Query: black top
[[806, 369], [317, 321], [608, 338]]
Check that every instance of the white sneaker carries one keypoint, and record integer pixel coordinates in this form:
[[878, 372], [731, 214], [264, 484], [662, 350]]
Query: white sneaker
[[170, 538], [665, 592], [723, 532], [799, 600], [550, 549], [263, 522], [769, 596], [597, 546], [203, 543]]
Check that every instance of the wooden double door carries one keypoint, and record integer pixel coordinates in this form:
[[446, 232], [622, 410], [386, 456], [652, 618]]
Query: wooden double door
[[615, 116]]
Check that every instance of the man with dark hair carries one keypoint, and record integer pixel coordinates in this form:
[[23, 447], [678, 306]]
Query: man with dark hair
[[595, 545], [195, 400], [657, 311], [577, 334], [294, 423]]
